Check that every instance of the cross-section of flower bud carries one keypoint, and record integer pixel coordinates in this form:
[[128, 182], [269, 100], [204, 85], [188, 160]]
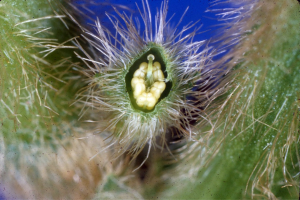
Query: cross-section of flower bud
[[148, 94]]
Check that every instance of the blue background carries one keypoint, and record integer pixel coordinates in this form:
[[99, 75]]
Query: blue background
[[195, 12]]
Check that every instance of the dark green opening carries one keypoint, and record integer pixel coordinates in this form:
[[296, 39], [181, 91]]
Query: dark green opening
[[143, 58]]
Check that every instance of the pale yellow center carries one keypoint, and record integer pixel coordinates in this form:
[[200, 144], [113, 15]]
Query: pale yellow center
[[147, 91]]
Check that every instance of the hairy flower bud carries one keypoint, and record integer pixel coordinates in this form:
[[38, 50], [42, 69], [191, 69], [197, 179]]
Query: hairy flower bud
[[144, 82]]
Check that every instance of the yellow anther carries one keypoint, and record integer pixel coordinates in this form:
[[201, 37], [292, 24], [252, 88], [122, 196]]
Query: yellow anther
[[141, 72]]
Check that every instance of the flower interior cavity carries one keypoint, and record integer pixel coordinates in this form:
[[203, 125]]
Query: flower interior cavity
[[146, 81]]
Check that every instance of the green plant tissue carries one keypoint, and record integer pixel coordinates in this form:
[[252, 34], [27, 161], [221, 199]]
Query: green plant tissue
[[251, 153]]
